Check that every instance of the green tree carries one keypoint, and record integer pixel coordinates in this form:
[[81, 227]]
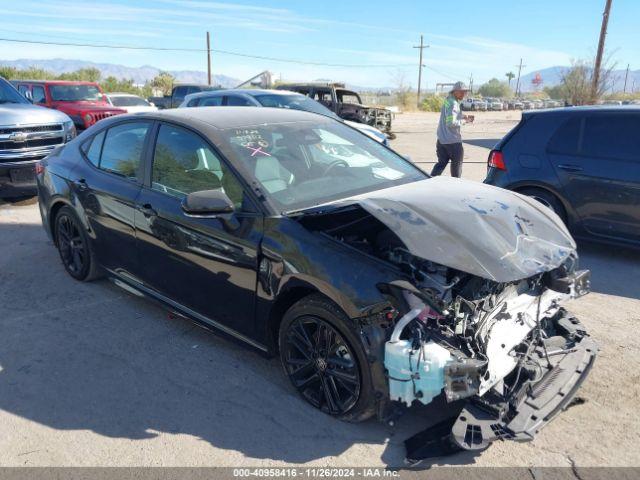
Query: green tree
[[556, 93], [495, 88], [163, 81], [510, 76], [83, 74], [31, 73]]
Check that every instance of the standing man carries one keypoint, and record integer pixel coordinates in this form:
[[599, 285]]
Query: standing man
[[449, 145]]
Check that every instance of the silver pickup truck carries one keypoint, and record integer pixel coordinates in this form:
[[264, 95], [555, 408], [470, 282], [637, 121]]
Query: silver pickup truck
[[27, 134]]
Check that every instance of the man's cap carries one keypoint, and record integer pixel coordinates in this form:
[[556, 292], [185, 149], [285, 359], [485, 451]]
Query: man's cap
[[459, 86]]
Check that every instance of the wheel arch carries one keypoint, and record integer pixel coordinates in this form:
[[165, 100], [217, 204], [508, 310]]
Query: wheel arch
[[55, 207], [519, 187], [283, 302]]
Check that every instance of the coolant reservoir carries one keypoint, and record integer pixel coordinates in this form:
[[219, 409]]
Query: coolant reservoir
[[415, 373]]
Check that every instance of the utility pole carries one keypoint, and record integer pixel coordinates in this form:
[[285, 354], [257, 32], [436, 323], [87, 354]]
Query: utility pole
[[596, 67], [471, 83], [626, 76], [422, 46], [518, 82], [208, 60]]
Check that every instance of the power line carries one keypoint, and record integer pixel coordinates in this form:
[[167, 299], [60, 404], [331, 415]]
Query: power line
[[200, 50], [448, 75]]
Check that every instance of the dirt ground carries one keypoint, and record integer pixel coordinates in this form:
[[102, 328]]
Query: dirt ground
[[93, 376]]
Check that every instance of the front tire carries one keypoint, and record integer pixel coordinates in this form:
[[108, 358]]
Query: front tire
[[74, 247], [324, 361]]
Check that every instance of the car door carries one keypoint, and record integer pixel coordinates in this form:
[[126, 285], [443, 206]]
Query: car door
[[107, 185], [600, 171], [207, 265]]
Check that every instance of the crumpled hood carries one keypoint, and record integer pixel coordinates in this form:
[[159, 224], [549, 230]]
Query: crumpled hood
[[17, 114], [476, 228]]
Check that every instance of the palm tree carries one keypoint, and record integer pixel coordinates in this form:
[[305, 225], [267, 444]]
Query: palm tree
[[510, 76]]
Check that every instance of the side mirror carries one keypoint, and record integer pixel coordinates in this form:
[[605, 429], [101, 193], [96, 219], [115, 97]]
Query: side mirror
[[207, 202]]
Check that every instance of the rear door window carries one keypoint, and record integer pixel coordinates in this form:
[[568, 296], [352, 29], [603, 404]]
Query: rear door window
[[93, 148], [612, 136], [123, 147], [565, 141]]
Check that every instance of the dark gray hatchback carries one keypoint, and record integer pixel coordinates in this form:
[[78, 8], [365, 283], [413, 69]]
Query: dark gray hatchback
[[583, 162]]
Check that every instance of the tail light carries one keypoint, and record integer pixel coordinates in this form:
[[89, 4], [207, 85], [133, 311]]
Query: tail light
[[496, 160], [39, 168]]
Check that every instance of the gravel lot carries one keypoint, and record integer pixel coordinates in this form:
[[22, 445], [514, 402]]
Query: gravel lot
[[93, 376]]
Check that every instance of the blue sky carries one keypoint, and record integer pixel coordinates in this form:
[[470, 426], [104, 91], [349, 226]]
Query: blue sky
[[486, 38]]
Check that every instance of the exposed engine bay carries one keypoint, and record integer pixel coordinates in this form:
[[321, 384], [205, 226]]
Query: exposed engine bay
[[508, 348]]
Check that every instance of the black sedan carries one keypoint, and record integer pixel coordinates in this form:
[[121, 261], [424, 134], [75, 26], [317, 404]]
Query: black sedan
[[376, 285]]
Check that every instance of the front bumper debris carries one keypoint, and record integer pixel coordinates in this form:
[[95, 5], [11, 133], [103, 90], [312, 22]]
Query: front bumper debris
[[520, 415], [480, 422]]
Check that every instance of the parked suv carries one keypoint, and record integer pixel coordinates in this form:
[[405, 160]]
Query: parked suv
[[582, 162], [27, 134], [84, 102]]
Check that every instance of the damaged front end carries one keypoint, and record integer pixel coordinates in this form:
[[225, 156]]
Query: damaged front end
[[478, 306], [510, 350]]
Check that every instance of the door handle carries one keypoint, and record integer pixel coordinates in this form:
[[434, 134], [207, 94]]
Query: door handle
[[570, 168], [147, 210], [81, 184]]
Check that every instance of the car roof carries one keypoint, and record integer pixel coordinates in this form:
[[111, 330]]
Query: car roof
[[586, 109], [122, 94], [56, 82], [246, 91], [234, 117]]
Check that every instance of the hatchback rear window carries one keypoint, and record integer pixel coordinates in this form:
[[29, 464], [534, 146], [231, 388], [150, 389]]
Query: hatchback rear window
[[566, 139]]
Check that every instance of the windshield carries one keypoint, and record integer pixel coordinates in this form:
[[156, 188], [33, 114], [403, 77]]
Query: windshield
[[295, 102], [128, 101], [8, 94], [75, 93], [302, 164]]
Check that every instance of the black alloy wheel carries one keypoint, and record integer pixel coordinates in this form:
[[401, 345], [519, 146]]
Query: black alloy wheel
[[321, 365], [75, 251]]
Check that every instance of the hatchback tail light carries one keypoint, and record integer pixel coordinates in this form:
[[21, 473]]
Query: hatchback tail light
[[39, 168], [496, 160]]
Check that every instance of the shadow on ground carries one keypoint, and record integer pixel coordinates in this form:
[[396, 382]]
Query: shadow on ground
[[615, 270], [87, 356], [77, 356], [488, 143]]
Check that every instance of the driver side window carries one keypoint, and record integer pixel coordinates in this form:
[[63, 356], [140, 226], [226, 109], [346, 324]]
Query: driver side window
[[183, 163]]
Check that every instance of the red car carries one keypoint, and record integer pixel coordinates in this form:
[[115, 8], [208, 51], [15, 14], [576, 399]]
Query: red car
[[84, 102]]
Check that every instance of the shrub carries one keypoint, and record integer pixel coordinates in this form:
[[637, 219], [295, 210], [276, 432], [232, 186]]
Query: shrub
[[432, 103]]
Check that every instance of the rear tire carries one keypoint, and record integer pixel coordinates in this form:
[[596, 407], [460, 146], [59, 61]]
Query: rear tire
[[547, 199], [325, 361], [73, 245]]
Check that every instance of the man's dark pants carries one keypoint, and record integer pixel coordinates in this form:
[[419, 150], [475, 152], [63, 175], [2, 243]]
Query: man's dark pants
[[448, 152]]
